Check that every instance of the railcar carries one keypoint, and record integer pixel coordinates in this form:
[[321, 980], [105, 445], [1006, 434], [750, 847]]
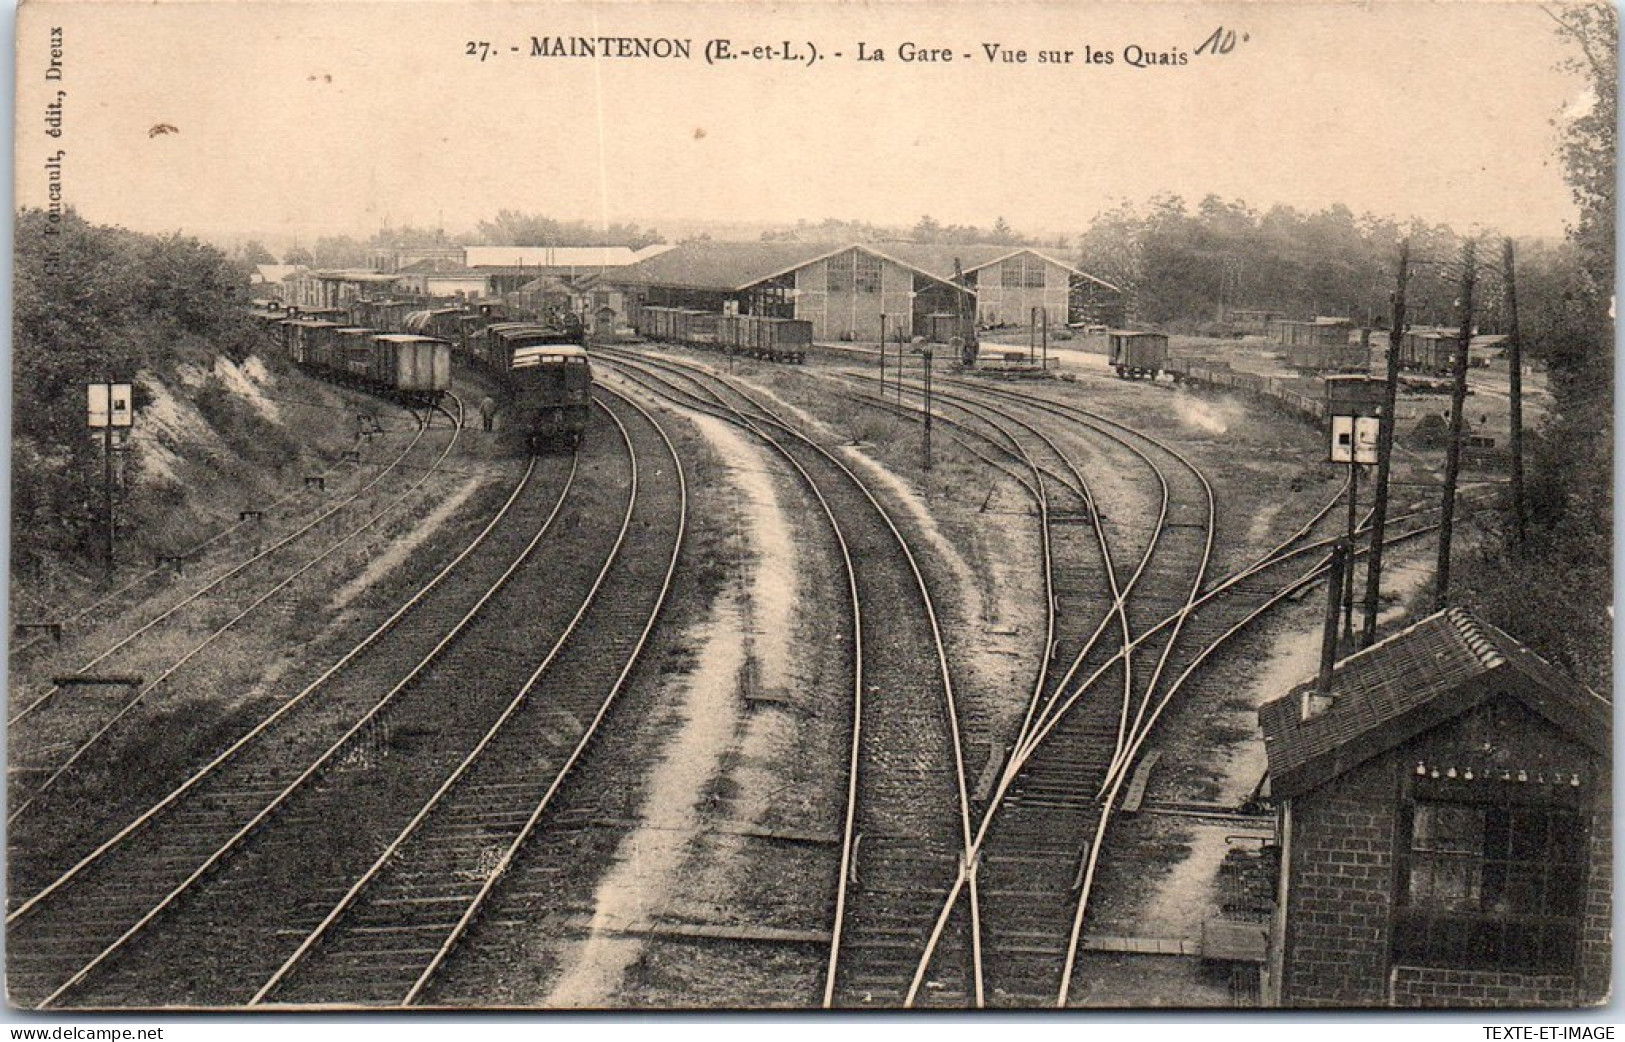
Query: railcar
[[495, 344], [1329, 357], [307, 340], [411, 367], [764, 337], [386, 316], [754, 336], [351, 360], [1137, 355], [549, 391], [1429, 351]]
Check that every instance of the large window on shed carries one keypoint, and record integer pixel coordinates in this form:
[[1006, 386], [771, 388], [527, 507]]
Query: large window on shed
[[1490, 886], [854, 272], [1023, 272]]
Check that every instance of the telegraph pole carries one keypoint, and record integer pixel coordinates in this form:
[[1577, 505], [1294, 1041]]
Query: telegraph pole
[[1385, 448], [107, 477], [1515, 392], [1458, 409], [926, 354], [883, 357], [1345, 592]]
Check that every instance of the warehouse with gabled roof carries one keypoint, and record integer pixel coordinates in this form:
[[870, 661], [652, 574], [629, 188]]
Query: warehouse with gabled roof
[[851, 292]]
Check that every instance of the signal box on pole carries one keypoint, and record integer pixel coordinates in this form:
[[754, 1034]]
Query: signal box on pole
[[1353, 409]]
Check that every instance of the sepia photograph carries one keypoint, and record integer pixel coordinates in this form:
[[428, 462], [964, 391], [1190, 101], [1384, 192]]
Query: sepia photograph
[[811, 506]]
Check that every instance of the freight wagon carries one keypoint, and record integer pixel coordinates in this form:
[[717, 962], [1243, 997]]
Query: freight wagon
[[1343, 357], [1322, 332], [305, 340], [1137, 355], [1429, 351], [759, 336], [416, 368], [498, 343]]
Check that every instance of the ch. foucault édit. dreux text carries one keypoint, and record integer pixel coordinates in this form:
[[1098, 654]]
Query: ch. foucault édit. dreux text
[[53, 129]]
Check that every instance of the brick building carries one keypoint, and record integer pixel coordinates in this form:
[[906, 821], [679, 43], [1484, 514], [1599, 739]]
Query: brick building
[[1445, 828]]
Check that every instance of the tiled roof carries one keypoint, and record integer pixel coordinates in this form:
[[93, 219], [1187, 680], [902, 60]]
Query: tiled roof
[[935, 258], [725, 266], [1416, 679], [938, 258]]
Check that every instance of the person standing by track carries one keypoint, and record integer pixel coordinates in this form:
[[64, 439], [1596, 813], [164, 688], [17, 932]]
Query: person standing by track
[[488, 412]]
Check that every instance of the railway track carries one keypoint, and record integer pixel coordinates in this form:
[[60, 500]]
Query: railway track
[[237, 595], [349, 727], [386, 938], [907, 825], [1243, 598], [1028, 864]]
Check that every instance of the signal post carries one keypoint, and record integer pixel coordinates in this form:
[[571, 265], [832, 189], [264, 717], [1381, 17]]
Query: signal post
[[1354, 409]]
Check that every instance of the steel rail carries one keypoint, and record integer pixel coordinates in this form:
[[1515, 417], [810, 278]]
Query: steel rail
[[301, 781], [110, 596], [220, 631], [255, 732], [500, 869], [849, 838], [1108, 804], [522, 696], [232, 572]]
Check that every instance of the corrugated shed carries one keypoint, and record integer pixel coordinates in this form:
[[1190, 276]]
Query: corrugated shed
[[1412, 681]]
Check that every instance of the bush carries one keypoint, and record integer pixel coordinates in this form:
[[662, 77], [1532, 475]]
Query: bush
[[1430, 432]]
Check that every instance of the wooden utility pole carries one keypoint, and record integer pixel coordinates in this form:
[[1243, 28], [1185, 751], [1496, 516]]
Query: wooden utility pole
[[1515, 393], [1341, 553], [883, 357], [107, 481], [1458, 419], [1346, 592], [1385, 449], [926, 432]]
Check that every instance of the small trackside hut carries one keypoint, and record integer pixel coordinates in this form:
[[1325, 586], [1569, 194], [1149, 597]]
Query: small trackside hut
[[1444, 813]]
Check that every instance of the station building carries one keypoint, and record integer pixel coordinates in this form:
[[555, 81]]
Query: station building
[[1444, 816]]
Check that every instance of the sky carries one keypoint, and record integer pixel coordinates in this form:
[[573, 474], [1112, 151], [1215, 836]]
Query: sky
[[308, 119]]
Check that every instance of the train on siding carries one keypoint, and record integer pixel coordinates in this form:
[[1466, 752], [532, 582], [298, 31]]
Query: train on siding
[[749, 336], [404, 351], [415, 370], [1483, 444]]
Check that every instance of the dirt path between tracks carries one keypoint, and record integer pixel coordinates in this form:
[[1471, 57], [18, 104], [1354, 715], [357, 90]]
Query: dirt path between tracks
[[746, 643]]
